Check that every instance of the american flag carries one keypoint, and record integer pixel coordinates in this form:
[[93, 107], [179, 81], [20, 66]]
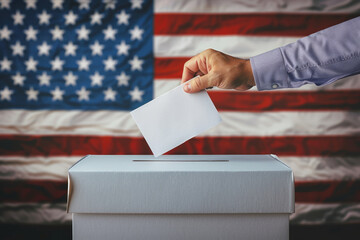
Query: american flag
[[70, 72]]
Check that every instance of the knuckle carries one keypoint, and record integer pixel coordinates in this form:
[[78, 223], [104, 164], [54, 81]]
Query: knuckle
[[209, 50]]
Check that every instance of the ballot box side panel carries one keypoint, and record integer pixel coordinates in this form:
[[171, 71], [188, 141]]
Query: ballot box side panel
[[181, 226]]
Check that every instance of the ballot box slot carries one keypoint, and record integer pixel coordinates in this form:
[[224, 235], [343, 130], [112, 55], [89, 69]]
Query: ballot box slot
[[191, 161]]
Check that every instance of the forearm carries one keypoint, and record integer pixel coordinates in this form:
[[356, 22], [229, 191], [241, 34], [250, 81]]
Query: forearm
[[320, 58]]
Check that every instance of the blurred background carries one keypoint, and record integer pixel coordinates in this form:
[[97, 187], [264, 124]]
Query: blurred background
[[70, 72]]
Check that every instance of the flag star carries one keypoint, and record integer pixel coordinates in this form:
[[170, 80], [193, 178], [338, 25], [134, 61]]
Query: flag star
[[110, 94], [31, 64], [57, 94], [83, 33], [31, 33], [136, 4], [136, 94], [83, 94], [18, 18], [70, 18], [6, 94], [57, 4], [44, 79], [70, 49], [32, 94], [84, 64], [5, 4], [123, 48], [57, 33], [110, 33], [96, 48], [110, 64], [136, 33], [30, 4], [123, 79], [18, 79], [57, 64], [5, 33], [70, 79], [109, 4], [136, 63], [96, 79], [18, 49], [123, 18], [96, 18], [44, 18], [5, 64], [44, 49], [84, 4]]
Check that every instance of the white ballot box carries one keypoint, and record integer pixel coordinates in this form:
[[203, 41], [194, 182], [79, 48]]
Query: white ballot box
[[180, 197]]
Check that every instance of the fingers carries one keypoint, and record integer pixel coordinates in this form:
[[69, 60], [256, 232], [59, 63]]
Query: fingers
[[190, 69], [196, 65], [197, 84]]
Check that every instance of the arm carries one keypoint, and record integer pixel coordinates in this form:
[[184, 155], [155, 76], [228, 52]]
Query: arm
[[320, 58]]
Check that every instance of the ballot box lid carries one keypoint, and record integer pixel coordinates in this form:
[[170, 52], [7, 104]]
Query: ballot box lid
[[180, 184]]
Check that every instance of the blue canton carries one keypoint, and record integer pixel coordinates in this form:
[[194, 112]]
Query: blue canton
[[76, 55]]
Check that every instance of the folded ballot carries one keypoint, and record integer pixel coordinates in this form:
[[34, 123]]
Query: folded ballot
[[174, 117]]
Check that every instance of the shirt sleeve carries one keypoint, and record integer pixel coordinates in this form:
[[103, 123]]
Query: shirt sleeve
[[320, 58]]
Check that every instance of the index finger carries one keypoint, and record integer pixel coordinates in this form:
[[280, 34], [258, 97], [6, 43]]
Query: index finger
[[190, 69]]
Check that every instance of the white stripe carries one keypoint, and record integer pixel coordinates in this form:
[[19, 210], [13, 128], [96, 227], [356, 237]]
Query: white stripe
[[56, 168], [112, 123], [36, 168], [237, 6], [348, 83], [325, 213], [324, 168], [45, 213], [239, 46], [34, 213], [287, 124]]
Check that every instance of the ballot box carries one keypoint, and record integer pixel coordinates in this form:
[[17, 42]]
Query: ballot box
[[180, 197]]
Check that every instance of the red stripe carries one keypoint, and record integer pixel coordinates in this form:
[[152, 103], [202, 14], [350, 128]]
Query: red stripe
[[26, 191], [67, 145], [285, 101], [169, 67], [264, 24]]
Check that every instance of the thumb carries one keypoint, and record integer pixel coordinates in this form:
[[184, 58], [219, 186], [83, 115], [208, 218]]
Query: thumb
[[197, 84]]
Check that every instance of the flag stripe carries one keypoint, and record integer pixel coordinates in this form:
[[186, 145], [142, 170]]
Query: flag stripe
[[34, 213], [244, 6], [270, 123], [239, 46], [42, 191], [286, 101], [67, 145], [325, 213], [162, 85], [254, 24], [169, 67], [56, 168]]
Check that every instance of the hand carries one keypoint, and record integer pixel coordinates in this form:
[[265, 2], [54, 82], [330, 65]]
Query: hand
[[217, 69]]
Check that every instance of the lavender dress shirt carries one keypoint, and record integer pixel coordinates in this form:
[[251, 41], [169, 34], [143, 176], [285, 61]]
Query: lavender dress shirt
[[320, 58]]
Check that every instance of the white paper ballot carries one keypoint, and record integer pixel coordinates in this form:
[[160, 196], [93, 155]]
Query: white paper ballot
[[174, 117]]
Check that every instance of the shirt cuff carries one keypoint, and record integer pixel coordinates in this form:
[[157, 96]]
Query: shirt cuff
[[269, 70]]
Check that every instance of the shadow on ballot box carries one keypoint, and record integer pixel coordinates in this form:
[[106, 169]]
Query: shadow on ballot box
[[63, 232]]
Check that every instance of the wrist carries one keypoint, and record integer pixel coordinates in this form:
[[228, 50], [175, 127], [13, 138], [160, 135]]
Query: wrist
[[249, 73]]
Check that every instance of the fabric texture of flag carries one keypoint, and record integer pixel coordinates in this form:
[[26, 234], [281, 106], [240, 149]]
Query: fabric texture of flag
[[70, 72]]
